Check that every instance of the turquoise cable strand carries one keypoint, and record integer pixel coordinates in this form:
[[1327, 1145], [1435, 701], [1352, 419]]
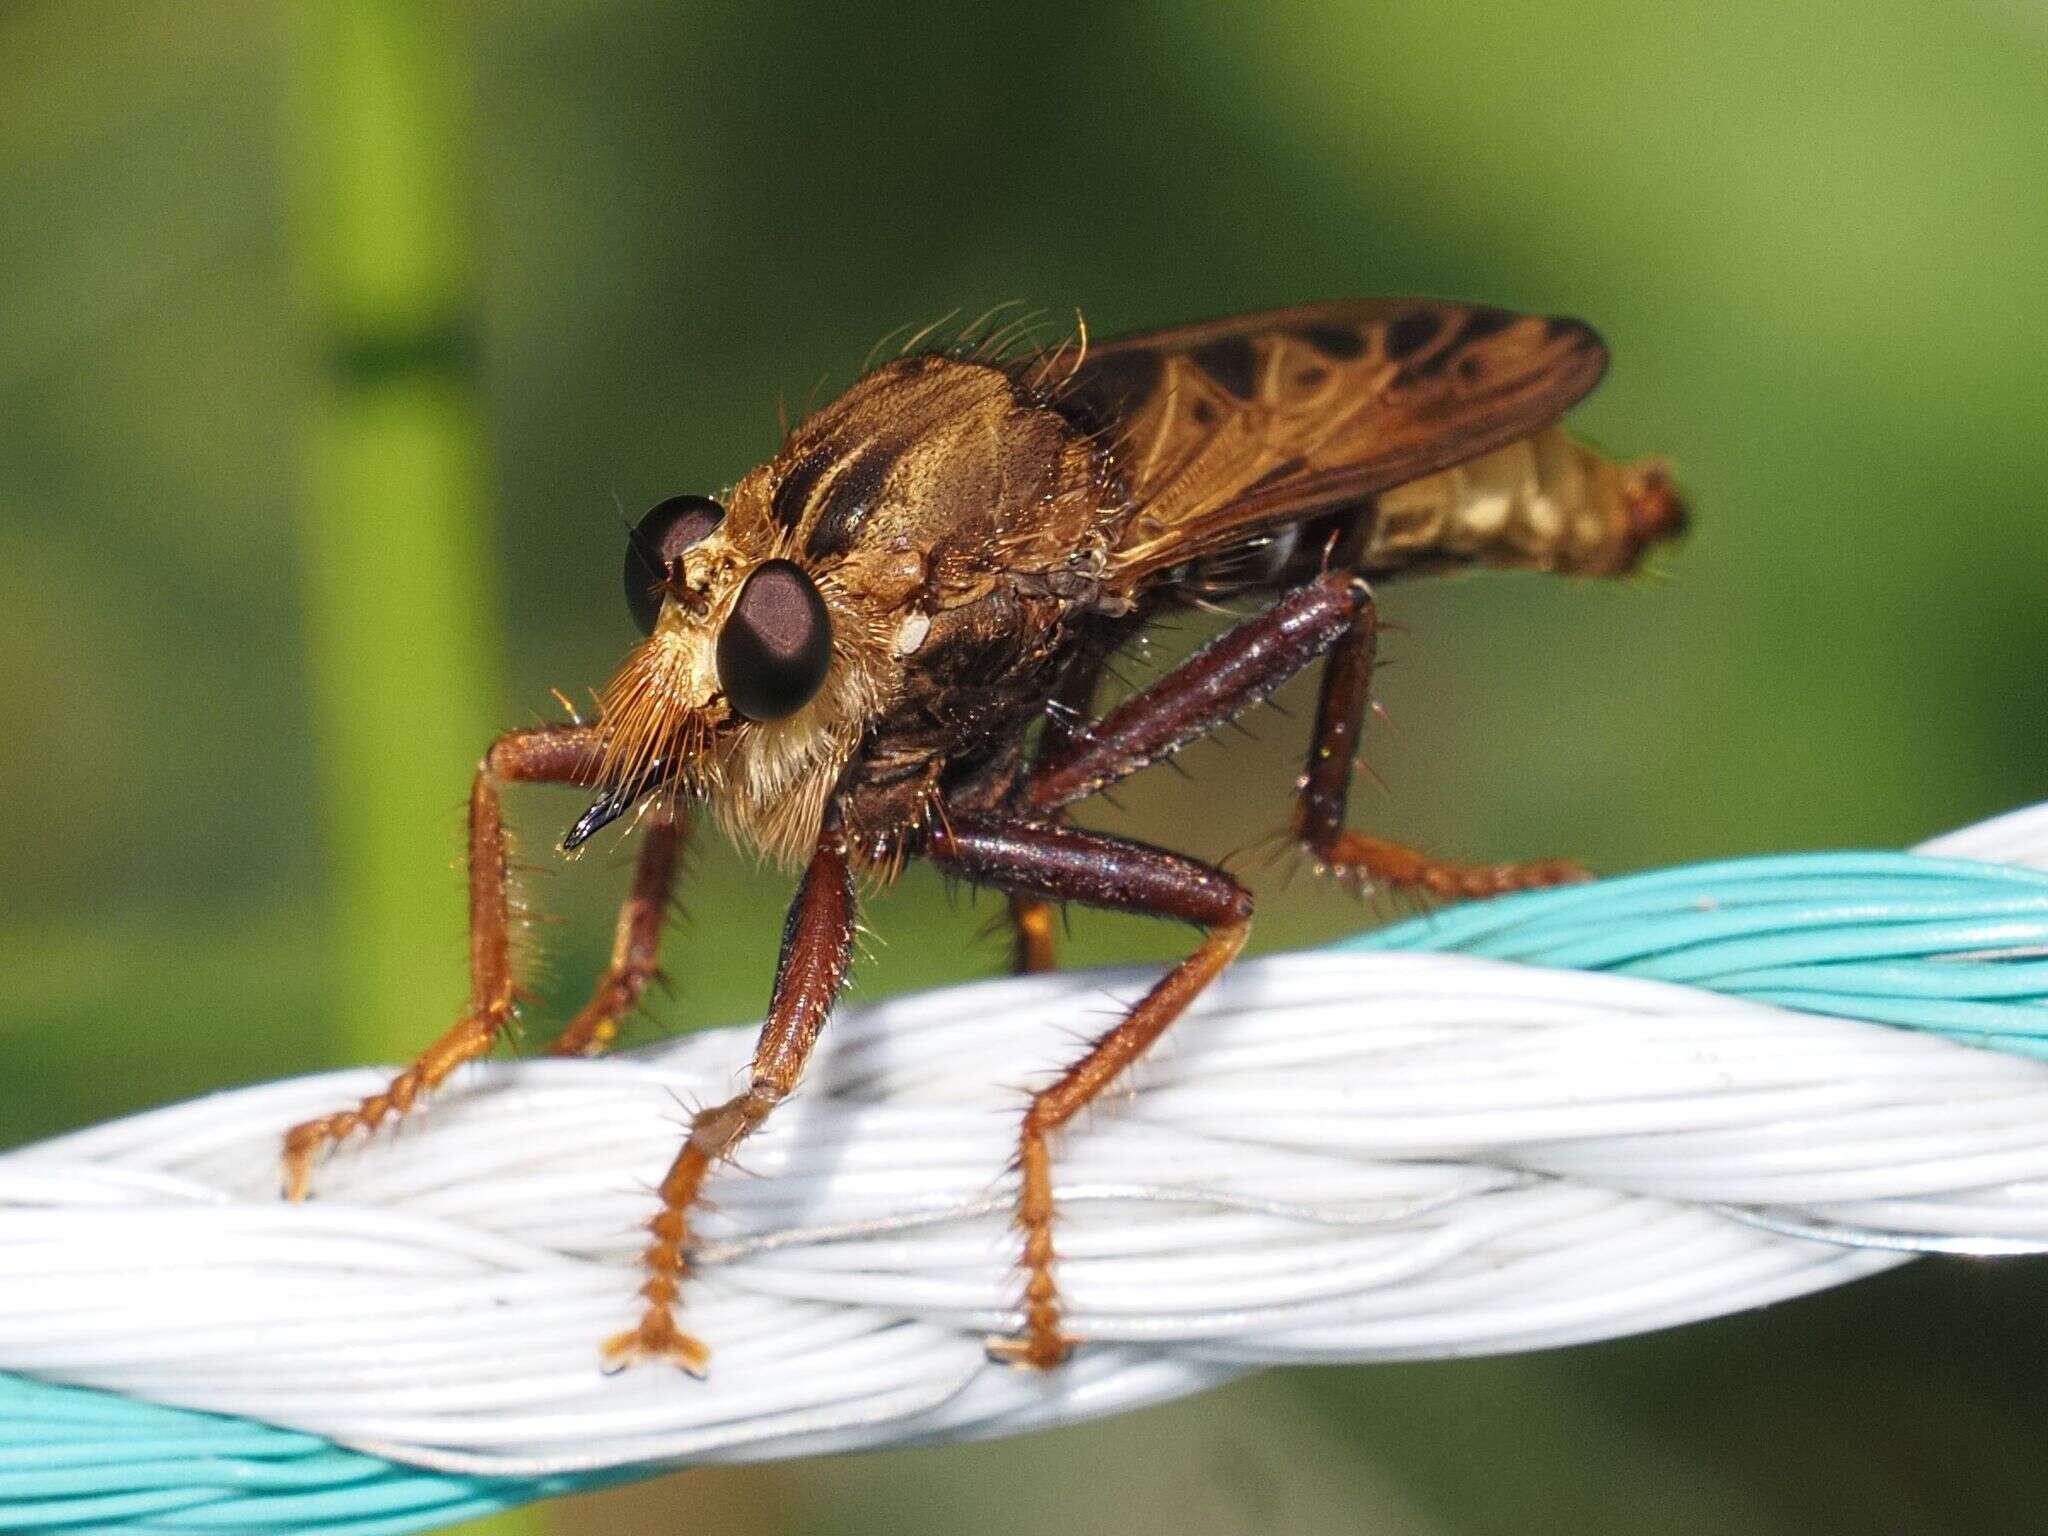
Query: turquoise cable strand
[[1946, 946], [76, 1460], [1875, 936]]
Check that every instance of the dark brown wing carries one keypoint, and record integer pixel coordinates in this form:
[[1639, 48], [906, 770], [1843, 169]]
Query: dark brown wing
[[1225, 429]]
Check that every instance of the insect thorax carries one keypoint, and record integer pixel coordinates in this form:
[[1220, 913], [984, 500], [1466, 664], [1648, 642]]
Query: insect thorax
[[951, 521]]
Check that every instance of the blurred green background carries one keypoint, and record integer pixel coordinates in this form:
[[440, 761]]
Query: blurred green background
[[333, 338]]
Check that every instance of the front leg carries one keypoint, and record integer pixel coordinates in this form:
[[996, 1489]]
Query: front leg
[[817, 946], [561, 754], [1061, 864], [636, 946]]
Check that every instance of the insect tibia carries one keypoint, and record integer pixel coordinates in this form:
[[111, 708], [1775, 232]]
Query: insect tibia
[[1547, 502]]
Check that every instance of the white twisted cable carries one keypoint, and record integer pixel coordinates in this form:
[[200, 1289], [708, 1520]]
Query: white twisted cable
[[1336, 1157]]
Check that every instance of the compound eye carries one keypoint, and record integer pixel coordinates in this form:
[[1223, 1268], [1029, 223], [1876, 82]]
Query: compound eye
[[775, 649], [657, 543]]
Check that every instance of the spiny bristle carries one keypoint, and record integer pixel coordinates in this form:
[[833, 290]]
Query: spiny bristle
[[981, 331], [1048, 371], [1000, 342], [919, 337]]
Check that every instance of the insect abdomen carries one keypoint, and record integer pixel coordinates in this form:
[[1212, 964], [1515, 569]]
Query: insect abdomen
[[1546, 503]]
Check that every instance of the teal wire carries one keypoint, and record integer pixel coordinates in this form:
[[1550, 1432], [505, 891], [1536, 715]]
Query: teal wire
[[101, 1512], [1940, 945], [73, 1459], [1944, 946]]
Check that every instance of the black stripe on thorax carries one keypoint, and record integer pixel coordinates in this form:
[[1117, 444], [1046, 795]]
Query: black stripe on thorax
[[856, 490], [793, 496]]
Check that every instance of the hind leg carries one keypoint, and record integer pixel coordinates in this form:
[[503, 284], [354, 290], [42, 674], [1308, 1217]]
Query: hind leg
[[1358, 857]]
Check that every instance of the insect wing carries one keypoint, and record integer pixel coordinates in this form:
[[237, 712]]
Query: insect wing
[[1222, 430]]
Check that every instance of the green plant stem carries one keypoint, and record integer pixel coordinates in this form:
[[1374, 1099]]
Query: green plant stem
[[399, 574]]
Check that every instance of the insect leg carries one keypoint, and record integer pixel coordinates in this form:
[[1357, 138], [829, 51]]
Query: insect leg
[[817, 947], [1222, 680], [1035, 944], [1326, 788], [1063, 864], [1334, 614], [636, 947], [550, 754]]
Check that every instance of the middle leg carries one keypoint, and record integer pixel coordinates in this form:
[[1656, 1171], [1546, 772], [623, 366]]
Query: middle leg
[[817, 946], [1063, 864]]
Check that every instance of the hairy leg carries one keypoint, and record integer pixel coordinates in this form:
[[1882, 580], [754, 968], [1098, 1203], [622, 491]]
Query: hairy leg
[[1034, 946], [1326, 787], [1034, 939], [1229, 675], [817, 947], [1333, 615], [636, 946], [1062, 864], [550, 754]]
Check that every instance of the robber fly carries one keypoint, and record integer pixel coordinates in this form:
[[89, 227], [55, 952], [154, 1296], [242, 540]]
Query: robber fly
[[885, 643]]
